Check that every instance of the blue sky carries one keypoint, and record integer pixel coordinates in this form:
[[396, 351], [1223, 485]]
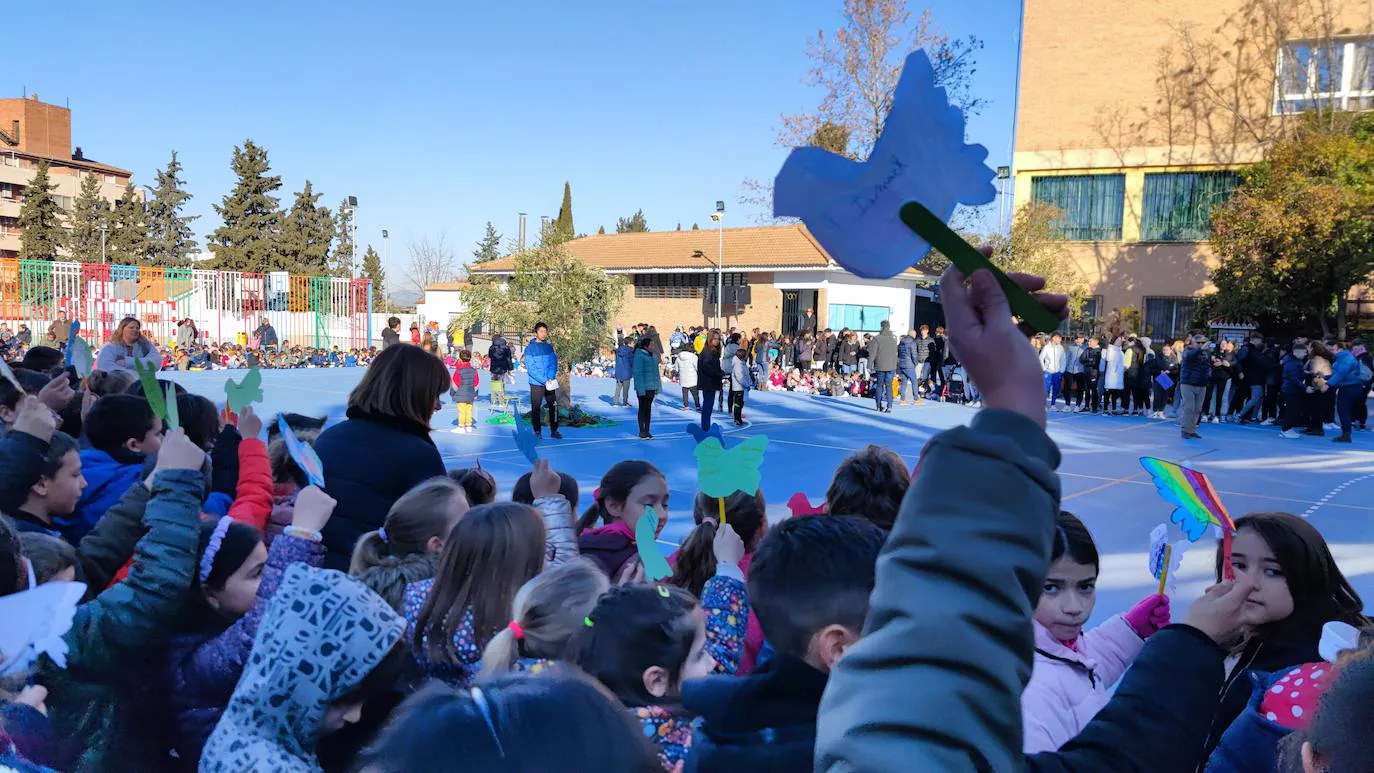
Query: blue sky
[[440, 116]]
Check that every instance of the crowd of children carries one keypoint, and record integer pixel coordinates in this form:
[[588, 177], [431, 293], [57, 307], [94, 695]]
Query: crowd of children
[[182, 599]]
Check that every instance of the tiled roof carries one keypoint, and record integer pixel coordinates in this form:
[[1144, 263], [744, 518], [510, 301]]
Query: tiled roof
[[459, 285], [781, 247]]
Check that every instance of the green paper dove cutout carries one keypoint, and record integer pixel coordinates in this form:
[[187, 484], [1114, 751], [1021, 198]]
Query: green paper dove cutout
[[152, 391], [244, 393], [721, 471]]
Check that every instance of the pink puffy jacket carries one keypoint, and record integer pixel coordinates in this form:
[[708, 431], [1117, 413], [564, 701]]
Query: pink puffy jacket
[[1068, 687]]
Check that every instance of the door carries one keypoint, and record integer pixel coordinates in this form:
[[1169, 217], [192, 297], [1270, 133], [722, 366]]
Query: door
[[794, 306]]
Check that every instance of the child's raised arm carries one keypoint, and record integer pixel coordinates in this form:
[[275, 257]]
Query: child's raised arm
[[725, 600], [936, 681]]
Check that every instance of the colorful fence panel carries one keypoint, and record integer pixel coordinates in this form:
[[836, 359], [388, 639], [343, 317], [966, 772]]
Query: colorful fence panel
[[227, 306]]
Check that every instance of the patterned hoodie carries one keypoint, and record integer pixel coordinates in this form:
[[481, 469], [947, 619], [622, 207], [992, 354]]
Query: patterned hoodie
[[277, 709]]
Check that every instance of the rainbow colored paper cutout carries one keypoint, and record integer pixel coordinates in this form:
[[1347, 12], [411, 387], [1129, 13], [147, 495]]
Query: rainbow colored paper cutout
[[646, 534], [302, 454], [721, 471], [1196, 504]]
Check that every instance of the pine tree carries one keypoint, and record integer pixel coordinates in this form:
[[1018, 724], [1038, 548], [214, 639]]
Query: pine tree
[[373, 270], [634, 224], [306, 234], [601, 231], [170, 239], [88, 213], [489, 246], [344, 253], [40, 219], [128, 238], [696, 227], [563, 227], [679, 225], [252, 215]]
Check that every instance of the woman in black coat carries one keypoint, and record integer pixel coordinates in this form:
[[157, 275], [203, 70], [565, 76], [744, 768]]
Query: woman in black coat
[[709, 376], [383, 449]]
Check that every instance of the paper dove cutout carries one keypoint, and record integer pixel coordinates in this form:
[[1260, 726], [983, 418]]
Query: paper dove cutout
[[800, 504], [655, 565], [721, 472], [852, 208], [152, 391], [302, 454], [1159, 539], [699, 435], [35, 622], [244, 393], [173, 417], [524, 437], [8, 374], [1196, 504], [80, 357], [71, 339]]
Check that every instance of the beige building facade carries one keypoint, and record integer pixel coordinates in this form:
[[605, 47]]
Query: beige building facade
[[32, 132], [1134, 118]]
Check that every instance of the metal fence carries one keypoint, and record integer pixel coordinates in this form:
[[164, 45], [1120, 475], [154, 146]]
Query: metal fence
[[317, 311]]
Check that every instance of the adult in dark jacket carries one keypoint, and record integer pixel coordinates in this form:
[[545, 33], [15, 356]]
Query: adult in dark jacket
[[882, 358], [383, 449], [710, 374], [1195, 371], [1253, 370], [267, 335], [391, 334], [908, 368], [502, 359], [848, 352]]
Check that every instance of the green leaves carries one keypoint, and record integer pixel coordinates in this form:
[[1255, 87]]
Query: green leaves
[[252, 216], [40, 219]]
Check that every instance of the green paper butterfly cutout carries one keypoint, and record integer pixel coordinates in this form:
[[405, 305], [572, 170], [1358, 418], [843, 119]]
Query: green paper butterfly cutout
[[244, 393], [721, 471]]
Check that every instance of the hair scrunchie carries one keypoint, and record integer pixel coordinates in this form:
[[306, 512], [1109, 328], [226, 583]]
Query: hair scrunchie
[[207, 561], [517, 630]]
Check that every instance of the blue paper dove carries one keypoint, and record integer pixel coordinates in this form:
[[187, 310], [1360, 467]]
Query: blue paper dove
[[698, 434], [852, 208], [524, 437], [655, 565]]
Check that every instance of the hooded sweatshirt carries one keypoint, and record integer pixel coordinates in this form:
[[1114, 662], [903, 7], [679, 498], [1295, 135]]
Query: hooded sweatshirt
[[276, 712]]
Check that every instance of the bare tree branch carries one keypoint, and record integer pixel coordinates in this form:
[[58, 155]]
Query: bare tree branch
[[431, 261]]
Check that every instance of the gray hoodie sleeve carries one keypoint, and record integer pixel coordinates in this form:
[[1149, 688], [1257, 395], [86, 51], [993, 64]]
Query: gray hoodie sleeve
[[936, 681]]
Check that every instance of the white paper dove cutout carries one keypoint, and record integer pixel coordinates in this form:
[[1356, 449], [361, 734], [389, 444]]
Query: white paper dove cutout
[[1337, 637], [852, 207], [1159, 537], [34, 623]]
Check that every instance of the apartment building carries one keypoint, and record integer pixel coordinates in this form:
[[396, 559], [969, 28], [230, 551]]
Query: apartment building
[[1133, 119], [32, 132]]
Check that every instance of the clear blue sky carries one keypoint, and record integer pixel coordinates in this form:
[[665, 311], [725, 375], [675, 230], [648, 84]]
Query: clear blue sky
[[440, 116]]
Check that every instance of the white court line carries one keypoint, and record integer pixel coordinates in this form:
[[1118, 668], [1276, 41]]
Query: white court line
[[1333, 492]]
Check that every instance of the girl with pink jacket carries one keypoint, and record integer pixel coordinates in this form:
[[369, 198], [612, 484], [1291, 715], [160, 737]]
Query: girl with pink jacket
[[1074, 671]]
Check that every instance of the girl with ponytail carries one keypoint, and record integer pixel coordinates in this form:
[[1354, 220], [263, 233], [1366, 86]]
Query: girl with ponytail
[[548, 611], [406, 548], [695, 561], [626, 490]]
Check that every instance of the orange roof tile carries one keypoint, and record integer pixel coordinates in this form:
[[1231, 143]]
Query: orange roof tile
[[779, 247], [461, 284]]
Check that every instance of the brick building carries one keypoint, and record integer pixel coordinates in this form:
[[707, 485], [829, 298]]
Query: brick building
[[30, 132], [1133, 119], [772, 275]]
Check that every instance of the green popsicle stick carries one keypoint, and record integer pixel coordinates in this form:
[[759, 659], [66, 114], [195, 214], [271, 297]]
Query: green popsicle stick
[[968, 260]]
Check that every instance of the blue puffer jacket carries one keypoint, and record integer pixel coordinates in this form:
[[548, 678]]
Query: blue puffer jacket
[[1292, 373], [107, 478], [1345, 370], [1251, 743], [1196, 368], [541, 362], [624, 362]]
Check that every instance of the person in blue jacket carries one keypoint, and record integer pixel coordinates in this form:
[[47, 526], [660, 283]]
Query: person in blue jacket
[[624, 372], [541, 363], [123, 432], [1348, 382]]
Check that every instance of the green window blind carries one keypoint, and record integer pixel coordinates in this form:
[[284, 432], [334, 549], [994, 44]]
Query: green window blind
[[1178, 205], [1091, 204]]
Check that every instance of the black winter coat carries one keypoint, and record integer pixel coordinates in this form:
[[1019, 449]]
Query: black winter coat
[[369, 462], [502, 361], [761, 723], [709, 372]]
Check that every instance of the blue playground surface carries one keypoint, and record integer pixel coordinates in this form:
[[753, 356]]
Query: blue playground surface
[[1253, 469]]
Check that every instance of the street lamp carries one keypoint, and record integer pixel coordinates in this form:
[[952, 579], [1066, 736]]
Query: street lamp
[[387, 295], [351, 206], [1003, 174], [103, 228], [719, 217]]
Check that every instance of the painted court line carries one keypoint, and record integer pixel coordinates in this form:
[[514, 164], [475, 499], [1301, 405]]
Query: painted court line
[[1333, 492]]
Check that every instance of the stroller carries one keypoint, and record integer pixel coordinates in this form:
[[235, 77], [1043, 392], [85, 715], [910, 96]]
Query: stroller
[[955, 390]]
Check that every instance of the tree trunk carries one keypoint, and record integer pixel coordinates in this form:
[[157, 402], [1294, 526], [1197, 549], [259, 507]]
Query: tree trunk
[[1341, 294], [564, 387]]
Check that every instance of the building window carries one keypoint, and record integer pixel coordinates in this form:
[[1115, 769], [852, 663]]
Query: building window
[[1335, 75], [63, 202], [1088, 319], [669, 285], [1166, 319], [1178, 205], [9, 161], [1091, 205], [9, 225], [861, 319]]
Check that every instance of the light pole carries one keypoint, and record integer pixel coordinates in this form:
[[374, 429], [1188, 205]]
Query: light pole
[[1003, 175], [719, 217], [351, 203], [103, 228], [386, 296]]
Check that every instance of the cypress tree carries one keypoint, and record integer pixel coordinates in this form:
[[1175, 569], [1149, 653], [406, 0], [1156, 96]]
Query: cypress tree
[[344, 251], [88, 213], [249, 237], [489, 246], [373, 270], [127, 243], [306, 234], [170, 239], [563, 226], [40, 220]]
